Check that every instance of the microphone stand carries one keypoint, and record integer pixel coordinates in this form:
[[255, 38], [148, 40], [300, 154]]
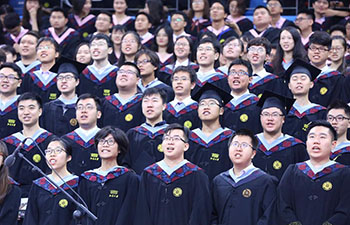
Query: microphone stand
[[77, 213]]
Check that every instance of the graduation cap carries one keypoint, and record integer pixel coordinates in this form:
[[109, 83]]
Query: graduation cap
[[270, 99], [300, 66], [65, 65], [212, 91]]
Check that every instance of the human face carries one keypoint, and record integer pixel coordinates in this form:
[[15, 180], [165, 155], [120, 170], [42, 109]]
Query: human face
[[197, 5], [99, 49], [182, 48], [152, 107], [83, 54], [57, 20], [87, 7], [275, 7], [145, 65], [341, 124], [320, 6], [178, 23], [217, 12], [300, 84], [303, 21], [107, 150], [318, 54], [272, 123], [261, 17], [120, 6], [238, 83], [162, 38], [66, 83], [286, 41], [319, 144], [32, 5], [337, 51], [141, 23], [56, 155], [234, 9], [46, 52], [206, 54], [181, 83], [117, 36], [29, 112], [174, 149], [127, 77], [9, 86], [87, 113], [256, 55], [209, 110], [129, 45], [103, 23], [240, 156], [232, 50], [27, 46]]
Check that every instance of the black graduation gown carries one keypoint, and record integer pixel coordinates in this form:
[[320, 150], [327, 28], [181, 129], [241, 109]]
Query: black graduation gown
[[271, 83], [197, 25], [341, 153], [181, 198], [21, 171], [164, 74], [122, 116], [218, 79], [9, 122], [296, 123], [112, 198], [212, 156], [245, 25], [311, 199], [145, 146], [272, 34], [84, 154], [128, 24], [249, 202], [327, 88], [276, 160], [9, 207], [160, 85], [228, 32], [85, 27], [244, 114], [48, 205], [187, 116], [55, 120], [101, 88]]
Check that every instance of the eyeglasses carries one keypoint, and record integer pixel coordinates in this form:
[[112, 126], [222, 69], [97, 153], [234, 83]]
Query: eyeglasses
[[273, 4], [87, 107], [129, 41], [67, 77], [98, 44], [54, 151], [143, 62], [338, 118], [109, 142], [242, 145], [173, 138], [258, 50], [337, 49], [300, 19], [240, 73], [273, 115], [127, 72], [176, 79], [208, 104], [176, 20], [10, 77], [319, 49], [45, 47], [207, 49], [181, 44]]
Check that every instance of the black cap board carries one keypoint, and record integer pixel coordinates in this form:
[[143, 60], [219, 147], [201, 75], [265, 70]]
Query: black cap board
[[270, 99], [66, 65], [211, 91], [300, 66]]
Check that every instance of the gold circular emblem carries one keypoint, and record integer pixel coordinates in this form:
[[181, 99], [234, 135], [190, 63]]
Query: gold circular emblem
[[63, 203], [73, 122], [327, 186], [160, 148], [129, 117], [259, 96], [46, 5], [85, 34], [36, 158], [277, 165], [323, 91], [177, 192], [244, 118], [188, 124], [247, 193]]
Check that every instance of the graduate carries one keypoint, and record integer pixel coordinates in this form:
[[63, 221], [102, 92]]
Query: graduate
[[103, 25], [123, 109], [27, 51], [173, 190], [208, 144], [110, 191], [300, 76], [315, 191], [244, 194], [305, 21], [10, 194], [84, 154], [178, 23], [47, 204], [59, 115], [338, 115], [276, 9], [13, 28], [183, 109], [242, 111], [81, 18], [145, 140], [232, 49], [10, 80], [120, 17], [143, 23], [40, 79], [29, 110], [276, 150], [99, 78]]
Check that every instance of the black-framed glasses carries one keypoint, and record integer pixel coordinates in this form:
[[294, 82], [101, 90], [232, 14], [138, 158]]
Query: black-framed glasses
[[173, 138], [109, 141], [338, 118], [54, 151], [242, 145]]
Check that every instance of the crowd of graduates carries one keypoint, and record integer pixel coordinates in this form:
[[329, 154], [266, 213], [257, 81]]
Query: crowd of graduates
[[193, 117]]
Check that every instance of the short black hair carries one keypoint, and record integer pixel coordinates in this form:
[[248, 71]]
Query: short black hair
[[215, 43], [242, 62], [176, 126], [232, 38], [48, 39], [59, 9], [12, 20], [155, 91], [153, 57], [262, 7], [32, 33], [260, 41], [308, 13], [106, 13], [187, 69], [14, 67], [100, 36], [248, 133], [338, 27], [321, 38], [117, 27], [94, 97], [338, 104], [8, 49], [2, 56], [149, 18], [138, 73], [322, 123], [178, 12], [66, 144], [30, 96]]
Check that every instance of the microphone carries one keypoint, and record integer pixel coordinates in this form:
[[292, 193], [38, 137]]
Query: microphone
[[10, 160]]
